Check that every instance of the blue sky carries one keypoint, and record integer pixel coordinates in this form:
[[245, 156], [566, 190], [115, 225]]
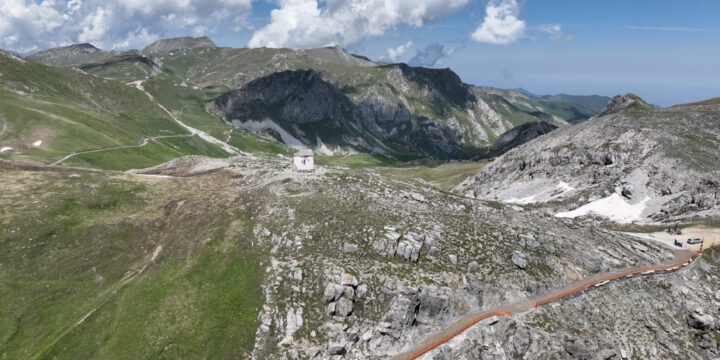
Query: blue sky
[[665, 51]]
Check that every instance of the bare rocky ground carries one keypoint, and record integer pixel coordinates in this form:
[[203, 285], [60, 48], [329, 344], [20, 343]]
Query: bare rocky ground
[[628, 165], [361, 266]]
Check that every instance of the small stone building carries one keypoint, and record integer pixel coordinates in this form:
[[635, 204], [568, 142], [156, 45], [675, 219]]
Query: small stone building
[[303, 160]]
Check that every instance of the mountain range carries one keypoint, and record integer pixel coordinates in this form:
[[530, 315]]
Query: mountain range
[[331, 101]]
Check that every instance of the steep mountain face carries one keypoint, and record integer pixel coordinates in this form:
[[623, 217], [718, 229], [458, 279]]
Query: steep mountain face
[[165, 46], [413, 111], [390, 109], [313, 111], [632, 164]]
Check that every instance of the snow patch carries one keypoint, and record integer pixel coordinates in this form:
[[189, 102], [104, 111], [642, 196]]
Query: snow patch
[[37, 143], [613, 207], [565, 187], [258, 126], [5, 149], [545, 195], [522, 201]]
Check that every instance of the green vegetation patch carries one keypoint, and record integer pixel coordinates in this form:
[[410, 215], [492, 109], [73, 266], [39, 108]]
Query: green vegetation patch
[[445, 176], [77, 278], [154, 153]]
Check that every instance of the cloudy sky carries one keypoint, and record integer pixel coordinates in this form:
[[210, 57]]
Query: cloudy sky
[[664, 50]]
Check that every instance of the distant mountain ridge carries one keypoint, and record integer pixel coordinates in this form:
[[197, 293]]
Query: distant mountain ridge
[[182, 43], [596, 103], [393, 109]]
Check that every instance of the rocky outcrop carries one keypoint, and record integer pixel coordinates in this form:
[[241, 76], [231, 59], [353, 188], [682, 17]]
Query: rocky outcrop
[[340, 298], [645, 159], [626, 102], [698, 319]]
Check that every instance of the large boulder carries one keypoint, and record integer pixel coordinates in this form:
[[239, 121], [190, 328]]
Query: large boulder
[[336, 349], [434, 305], [698, 319], [403, 308], [362, 292], [520, 260], [344, 307], [332, 293], [409, 247]]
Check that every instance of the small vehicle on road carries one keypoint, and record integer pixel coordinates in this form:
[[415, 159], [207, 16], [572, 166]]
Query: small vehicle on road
[[694, 241]]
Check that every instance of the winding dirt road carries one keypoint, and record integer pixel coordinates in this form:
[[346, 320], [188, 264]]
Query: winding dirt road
[[682, 258], [142, 143]]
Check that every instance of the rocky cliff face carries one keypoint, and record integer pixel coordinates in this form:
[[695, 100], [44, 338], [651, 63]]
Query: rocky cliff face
[[315, 112], [630, 165], [410, 111]]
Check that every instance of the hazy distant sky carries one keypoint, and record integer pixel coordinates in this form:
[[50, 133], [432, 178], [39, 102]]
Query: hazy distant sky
[[665, 51]]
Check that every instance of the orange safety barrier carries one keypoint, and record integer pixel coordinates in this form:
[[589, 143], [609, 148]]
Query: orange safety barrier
[[554, 298], [609, 278], [457, 332]]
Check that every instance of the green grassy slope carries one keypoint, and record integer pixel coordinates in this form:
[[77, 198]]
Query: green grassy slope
[[443, 175], [70, 112], [155, 152], [78, 243]]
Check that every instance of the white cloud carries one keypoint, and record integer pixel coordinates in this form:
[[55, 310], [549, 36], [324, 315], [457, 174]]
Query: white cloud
[[95, 26], [501, 24], [26, 25], [555, 31], [431, 55], [307, 23], [394, 53]]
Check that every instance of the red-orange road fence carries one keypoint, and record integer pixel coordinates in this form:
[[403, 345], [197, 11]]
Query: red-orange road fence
[[455, 333], [614, 277], [437, 342]]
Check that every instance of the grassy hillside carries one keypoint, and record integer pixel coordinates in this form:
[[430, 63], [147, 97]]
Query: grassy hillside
[[66, 111], [80, 278], [71, 112]]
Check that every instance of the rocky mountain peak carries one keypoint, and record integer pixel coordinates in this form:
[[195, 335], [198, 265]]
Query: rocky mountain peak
[[68, 55], [181, 43], [628, 101]]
